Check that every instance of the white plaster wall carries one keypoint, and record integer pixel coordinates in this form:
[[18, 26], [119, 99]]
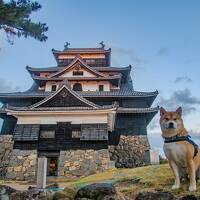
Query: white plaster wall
[[86, 85], [92, 85], [49, 84], [70, 74], [53, 118]]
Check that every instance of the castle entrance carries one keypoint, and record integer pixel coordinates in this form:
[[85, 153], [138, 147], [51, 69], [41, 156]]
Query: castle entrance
[[52, 166]]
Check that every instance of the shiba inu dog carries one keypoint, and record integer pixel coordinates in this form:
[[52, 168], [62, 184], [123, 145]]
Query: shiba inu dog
[[181, 152]]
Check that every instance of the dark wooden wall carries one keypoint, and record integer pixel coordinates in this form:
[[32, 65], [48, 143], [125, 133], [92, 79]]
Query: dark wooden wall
[[62, 141], [8, 125], [131, 124], [123, 102], [22, 102]]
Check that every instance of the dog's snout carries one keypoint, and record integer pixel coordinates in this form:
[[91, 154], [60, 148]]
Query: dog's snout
[[171, 125]]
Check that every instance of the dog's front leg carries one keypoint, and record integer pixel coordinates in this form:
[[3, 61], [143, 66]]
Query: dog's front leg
[[192, 176], [176, 174]]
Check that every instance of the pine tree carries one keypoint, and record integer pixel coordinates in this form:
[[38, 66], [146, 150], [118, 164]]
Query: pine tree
[[15, 20]]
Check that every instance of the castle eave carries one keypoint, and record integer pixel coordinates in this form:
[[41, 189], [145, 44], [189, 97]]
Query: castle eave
[[137, 110]]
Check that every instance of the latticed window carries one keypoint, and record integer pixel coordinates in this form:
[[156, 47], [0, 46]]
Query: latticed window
[[101, 88], [77, 87], [77, 73], [47, 134], [53, 88], [76, 134], [94, 132], [26, 132]]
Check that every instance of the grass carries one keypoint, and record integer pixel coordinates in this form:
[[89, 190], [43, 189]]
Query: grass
[[132, 181]]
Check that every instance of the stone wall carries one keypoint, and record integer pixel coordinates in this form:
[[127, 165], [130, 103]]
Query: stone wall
[[16, 164], [22, 165], [130, 152], [83, 162], [6, 148]]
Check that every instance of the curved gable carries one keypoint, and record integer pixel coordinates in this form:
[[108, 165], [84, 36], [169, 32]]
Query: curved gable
[[78, 64], [64, 97]]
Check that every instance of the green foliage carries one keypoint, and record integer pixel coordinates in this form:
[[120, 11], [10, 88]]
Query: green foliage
[[163, 160], [15, 20]]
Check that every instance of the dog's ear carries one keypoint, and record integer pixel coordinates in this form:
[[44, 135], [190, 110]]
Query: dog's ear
[[179, 110], [162, 111]]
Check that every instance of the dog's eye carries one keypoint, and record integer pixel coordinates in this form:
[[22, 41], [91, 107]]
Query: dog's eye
[[167, 119], [175, 119]]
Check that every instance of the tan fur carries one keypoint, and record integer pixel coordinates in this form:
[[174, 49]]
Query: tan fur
[[179, 154]]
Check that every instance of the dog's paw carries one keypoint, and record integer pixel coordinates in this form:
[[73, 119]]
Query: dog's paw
[[192, 188], [175, 186]]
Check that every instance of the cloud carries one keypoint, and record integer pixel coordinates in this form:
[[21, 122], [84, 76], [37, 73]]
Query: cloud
[[183, 79], [7, 86], [195, 134], [163, 51], [182, 98], [154, 123], [128, 52]]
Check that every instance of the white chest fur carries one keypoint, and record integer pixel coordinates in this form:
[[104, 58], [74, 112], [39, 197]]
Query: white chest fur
[[176, 152]]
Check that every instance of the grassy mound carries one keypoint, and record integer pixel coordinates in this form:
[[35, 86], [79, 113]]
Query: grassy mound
[[132, 181]]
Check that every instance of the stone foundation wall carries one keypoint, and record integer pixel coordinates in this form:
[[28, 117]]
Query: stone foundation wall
[[83, 162], [16, 164], [6, 147], [22, 165], [130, 152]]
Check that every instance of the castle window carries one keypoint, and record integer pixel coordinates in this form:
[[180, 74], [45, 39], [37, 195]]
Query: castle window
[[90, 61], [53, 88], [47, 134], [77, 73], [94, 132], [26, 132], [77, 87], [76, 133], [101, 88]]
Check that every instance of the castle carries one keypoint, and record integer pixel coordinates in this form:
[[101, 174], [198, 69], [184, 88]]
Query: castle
[[83, 115]]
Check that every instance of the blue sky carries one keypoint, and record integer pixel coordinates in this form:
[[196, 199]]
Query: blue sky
[[161, 39]]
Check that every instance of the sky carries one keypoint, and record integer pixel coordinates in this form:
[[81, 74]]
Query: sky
[[160, 39]]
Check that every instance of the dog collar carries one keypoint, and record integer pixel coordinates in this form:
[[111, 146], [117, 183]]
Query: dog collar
[[178, 138]]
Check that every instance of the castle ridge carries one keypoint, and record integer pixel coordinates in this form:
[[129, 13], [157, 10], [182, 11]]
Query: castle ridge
[[83, 115]]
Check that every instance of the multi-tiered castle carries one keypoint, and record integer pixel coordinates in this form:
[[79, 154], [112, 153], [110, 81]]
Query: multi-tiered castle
[[82, 115]]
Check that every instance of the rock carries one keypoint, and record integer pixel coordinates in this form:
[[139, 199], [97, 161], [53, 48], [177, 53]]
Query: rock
[[96, 191], [8, 190], [113, 197], [67, 194], [155, 195], [71, 192], [60, 195], [190, 197], [20, 195]]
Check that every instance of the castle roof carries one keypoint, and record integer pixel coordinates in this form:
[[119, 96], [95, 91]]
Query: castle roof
[[57, 68], [116, 93], [82, 50], [64, 88], [76, 60], [76, 51]]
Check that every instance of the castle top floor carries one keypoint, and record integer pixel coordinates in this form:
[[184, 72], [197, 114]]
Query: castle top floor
[[95, 57]]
